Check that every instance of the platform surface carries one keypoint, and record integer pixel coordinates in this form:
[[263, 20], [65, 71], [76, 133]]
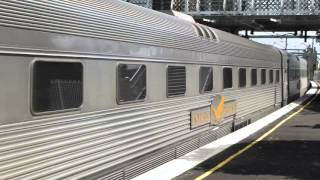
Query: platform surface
[[290, 152]]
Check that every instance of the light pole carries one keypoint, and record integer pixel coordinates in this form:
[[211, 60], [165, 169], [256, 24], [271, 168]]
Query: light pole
[[286, 45], [286, 36]]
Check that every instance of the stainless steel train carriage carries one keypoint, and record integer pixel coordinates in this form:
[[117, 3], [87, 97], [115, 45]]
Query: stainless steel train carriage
[[103, 88], [304, 82]]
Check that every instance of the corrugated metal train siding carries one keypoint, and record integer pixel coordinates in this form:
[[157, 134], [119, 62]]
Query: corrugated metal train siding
[[115, 20], [150, 163], [208, 137], [78, 147], [113, 176], [187, 147]]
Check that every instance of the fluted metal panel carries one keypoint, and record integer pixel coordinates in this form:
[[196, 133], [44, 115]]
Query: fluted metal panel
[[187, 147], [80, 146], [207, 138], [150, 163], [113, 176], [119, 21]]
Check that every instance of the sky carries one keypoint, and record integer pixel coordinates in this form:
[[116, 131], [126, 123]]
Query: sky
[[296, 43]]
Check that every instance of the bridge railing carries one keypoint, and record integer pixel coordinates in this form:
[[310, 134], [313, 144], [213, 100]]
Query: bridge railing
[[247, 7]]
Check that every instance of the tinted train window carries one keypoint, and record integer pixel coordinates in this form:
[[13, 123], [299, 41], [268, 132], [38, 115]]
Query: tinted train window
[[263, 76], [206, 79], [57, 86], [271, 76], [277, 76], [227, 78], [253, 77], [242, 77], [176, 77], [131, 82]]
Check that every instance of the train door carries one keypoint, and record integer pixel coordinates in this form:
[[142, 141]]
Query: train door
[[284, 77], [304, 83], [293, 78]]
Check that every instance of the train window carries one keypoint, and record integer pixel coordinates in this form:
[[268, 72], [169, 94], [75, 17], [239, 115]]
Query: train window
[[57, 86], [206, 79], [263, 76], [227, 78], [277, 76], [131, 82], [176, 81], [270, 76], [242, 77], [253, 77]]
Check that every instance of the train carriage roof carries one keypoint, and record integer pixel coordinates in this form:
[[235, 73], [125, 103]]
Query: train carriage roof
[[121, 21]]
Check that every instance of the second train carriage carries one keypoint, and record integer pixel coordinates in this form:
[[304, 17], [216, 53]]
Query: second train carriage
[[89, 91], [304, 80], [297, 77]]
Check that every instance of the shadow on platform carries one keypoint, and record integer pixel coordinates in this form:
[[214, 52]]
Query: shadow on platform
[[314, 108], [317, 126], [275, 158]]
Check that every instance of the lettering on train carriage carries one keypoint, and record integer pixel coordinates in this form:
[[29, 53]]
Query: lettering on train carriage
[[221, 109], [200, 117]]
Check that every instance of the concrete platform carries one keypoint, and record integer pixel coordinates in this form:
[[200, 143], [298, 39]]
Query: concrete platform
[[290, 152]]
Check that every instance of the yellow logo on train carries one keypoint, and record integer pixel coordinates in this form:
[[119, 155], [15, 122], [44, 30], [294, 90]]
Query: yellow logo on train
[[215, 113], [217, 106], [221, 109]]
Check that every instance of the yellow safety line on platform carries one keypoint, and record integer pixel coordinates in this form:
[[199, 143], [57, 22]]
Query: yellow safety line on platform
[[230, 158]]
